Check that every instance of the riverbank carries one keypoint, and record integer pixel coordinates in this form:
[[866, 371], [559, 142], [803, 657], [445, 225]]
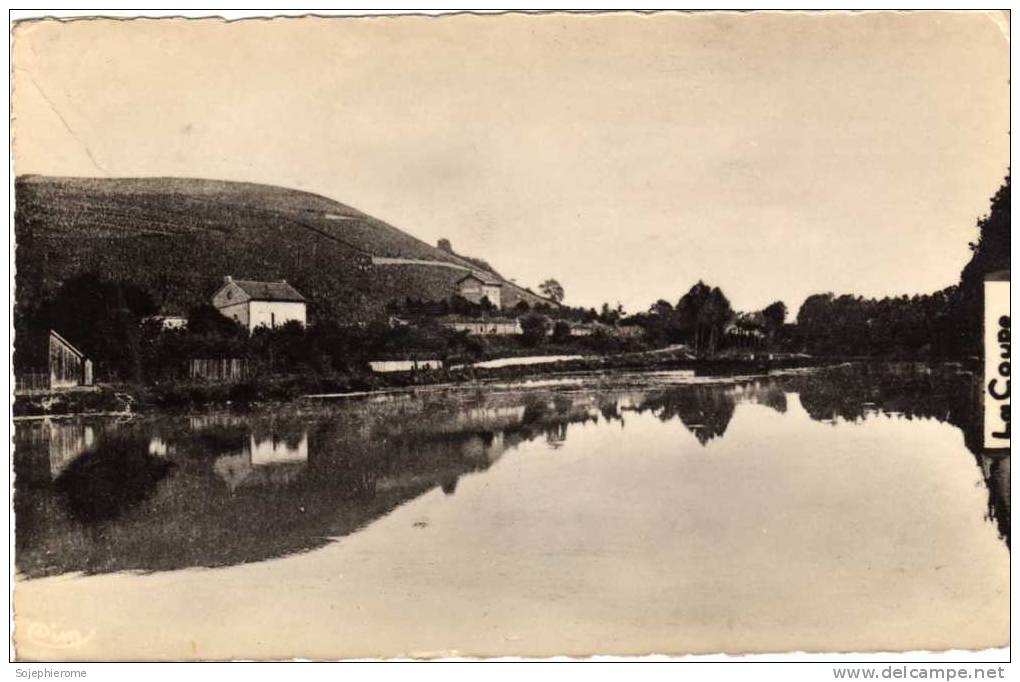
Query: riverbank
[[267, 390]]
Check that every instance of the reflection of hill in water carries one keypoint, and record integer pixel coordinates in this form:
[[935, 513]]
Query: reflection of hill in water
[[225, 489]]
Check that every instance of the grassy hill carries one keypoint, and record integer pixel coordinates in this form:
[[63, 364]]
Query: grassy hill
[[178, 237]]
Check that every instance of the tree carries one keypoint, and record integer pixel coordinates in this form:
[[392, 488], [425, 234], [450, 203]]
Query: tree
[[775, 315], [206, 319], [561, 331], [611, 315], [703, 313], [552, 289], [535, 328], [662, 308], [990, 254], [99, 316]]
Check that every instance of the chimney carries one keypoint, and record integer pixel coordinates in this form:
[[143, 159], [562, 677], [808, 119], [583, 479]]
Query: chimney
[[228, 279]]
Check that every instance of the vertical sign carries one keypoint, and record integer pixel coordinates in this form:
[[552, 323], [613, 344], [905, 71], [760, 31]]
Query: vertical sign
[[997, 359]]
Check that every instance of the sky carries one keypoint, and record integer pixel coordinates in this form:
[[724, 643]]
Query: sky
[[774, 155]]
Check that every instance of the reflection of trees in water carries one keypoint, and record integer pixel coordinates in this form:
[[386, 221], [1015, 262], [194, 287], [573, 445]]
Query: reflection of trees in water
[[852, 393], [119, 507], [239, 489], [705, 411], [104, 483], [902, 390], [946, 393], [996, 472]]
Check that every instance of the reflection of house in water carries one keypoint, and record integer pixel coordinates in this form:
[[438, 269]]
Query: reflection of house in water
[[484, 447], [207, 421], [64, 441], [267, 460], [488, 417], [159, 447]]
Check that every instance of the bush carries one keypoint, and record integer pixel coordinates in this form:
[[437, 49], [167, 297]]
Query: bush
[[561, 331], [535, 328]]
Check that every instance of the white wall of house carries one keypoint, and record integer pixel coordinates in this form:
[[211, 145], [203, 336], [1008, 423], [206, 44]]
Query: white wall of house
[[492, 292], [404, 365], [275, 313], [495, 327], [475, 291]]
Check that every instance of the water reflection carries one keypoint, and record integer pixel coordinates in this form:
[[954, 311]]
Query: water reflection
[[269, 459], [222, 489]]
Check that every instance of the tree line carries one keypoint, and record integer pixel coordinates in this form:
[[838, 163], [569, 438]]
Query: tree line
[[107, 319]]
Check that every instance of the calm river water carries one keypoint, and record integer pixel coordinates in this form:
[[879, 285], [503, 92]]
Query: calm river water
[[829, 510]]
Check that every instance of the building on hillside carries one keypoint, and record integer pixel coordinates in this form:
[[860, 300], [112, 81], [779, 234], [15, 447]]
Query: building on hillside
[[484, 326], [405, 365], [167, 322], [260, 304], [630, 331], [582, 329], [477, 286]]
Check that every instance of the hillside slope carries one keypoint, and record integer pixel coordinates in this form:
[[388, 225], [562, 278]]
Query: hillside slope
[[178, 237]]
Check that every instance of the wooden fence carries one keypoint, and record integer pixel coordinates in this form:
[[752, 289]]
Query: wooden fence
[[32, 382], [218, 369]]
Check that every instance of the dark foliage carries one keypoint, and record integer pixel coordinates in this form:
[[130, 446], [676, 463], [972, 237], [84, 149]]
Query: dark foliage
[[536, 328]]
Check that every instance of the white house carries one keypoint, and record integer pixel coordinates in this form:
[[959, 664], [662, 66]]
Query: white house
[[260, 304], [508, 326], [405, 365], [476, 286], [168, 322]]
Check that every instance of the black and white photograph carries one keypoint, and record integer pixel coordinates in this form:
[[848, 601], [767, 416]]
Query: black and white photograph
[[511, 335]]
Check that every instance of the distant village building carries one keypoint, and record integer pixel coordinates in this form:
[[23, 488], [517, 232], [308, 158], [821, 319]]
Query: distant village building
[[405, 365], [477, 286], [168, 322], [260, 304], [747, 330], [591, 328], [485, 326], [629, 331]]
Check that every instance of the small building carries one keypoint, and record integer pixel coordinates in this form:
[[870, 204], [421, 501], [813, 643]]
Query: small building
[[582, 329], [478, 286], [68, 366], [485, 326], [167, 322], [260, 304], [630, 331], [405, 365]]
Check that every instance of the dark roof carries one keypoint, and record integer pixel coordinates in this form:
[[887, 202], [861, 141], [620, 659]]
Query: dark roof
[[269, 291], [482, 277]]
